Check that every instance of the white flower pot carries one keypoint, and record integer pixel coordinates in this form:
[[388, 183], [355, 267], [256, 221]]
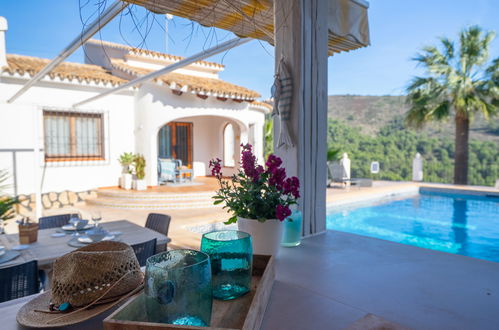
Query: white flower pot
[[139, 184], [266, 235], [126, 181]]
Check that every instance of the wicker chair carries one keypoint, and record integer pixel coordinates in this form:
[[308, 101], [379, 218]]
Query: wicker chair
[[144, 251], [54, 221], [19, 281], [158, 222]]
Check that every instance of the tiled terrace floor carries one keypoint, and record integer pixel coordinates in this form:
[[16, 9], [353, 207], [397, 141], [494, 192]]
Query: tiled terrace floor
[[333, 279]]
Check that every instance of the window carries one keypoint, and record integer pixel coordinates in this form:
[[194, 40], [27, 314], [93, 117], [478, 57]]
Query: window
[[251, 135], [73, 136], [229, 146]]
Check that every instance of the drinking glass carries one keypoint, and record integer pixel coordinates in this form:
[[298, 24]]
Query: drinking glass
[[178, 288], [96, 217], [231, 256], [75, 220]]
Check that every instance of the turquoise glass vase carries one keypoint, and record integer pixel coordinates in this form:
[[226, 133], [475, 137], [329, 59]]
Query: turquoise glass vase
[[178, 288], [292, 230], [231, 256]]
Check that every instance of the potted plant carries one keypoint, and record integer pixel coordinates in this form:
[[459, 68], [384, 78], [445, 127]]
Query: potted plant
[[126, 159], [259, 198], [7, 203], [140, 172]]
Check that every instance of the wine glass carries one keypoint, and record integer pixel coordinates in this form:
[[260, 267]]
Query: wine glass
[[75, 220], [96, 217]]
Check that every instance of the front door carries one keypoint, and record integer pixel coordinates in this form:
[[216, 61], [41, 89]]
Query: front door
[[175, 141]]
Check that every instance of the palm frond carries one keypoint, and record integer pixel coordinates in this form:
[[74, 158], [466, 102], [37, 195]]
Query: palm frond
[[449, 48], [4, 177]]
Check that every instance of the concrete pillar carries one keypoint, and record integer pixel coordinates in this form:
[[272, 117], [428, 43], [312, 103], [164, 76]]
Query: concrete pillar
[[345, 164], [417, 168]]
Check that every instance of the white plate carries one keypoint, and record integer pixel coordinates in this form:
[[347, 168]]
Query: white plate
[[20, 247], [70, 227], [87, 240], [58, 234]]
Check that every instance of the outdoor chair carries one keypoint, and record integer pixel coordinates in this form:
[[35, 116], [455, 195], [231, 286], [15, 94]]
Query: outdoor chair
[[19, 281], [158, 222], [144, 251], [336, 173], [168, 170], [54, 221]]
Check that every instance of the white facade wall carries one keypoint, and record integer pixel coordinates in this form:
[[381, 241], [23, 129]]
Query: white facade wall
[[18, 119], [156, 106], [131, 124]]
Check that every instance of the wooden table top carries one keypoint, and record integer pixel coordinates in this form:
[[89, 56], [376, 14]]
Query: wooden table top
[[48, 248]]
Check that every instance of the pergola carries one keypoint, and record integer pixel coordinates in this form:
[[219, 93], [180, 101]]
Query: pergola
[[304, 33]]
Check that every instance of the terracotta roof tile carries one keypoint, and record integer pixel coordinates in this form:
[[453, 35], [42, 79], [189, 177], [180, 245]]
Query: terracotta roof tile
[[262, 105], [200, 85], [140, 51], [21, 64]]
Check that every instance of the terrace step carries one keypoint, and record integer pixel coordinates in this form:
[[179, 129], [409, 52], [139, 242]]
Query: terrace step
[[115, 198]]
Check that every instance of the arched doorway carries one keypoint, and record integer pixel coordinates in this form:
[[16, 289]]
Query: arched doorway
[[175, 142]]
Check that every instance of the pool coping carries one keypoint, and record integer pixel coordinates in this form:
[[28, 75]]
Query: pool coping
[[400, 191]]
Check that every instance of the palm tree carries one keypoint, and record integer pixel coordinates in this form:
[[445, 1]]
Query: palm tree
[[458, 82]]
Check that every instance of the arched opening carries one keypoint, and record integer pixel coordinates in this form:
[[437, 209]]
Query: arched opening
[[229, 144]]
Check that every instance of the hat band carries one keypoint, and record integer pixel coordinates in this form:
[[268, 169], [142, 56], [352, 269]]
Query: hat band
[[96, 301]]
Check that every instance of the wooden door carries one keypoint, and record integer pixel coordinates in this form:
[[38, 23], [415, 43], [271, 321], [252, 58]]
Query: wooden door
[[175, 141]]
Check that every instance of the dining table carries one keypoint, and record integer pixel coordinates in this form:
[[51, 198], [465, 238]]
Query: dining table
[[47, 248]]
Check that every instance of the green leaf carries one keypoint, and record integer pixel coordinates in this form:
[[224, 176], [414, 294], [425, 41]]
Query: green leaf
[[231, 220]]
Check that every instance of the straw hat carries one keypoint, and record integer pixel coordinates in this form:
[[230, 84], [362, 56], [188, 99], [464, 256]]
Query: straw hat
[[85, 283]]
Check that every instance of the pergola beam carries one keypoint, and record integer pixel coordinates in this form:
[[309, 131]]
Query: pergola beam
[[108, 14], [169, 68]]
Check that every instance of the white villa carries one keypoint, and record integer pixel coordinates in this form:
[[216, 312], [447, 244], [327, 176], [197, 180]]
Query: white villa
[[190, 114]]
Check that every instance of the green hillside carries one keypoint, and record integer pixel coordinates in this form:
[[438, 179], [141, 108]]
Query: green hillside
[[371, 113], [370, 128]]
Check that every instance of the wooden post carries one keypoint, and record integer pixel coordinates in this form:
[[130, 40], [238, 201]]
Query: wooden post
[[36, 164], [301, 37]]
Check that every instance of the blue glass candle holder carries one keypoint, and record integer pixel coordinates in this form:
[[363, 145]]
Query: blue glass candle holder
[[292, 230], [231, 256], [178, 288]]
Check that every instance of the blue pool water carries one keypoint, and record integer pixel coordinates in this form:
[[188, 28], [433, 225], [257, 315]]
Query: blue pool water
[[460, 224]]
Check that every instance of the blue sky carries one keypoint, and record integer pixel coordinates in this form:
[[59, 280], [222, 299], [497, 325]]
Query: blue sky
[[398, 29]]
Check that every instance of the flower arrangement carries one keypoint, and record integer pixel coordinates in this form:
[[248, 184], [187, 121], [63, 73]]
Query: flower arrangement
[[255, 192]]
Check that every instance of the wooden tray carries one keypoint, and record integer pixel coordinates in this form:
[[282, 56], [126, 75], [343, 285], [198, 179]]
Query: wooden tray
[[243, 313]]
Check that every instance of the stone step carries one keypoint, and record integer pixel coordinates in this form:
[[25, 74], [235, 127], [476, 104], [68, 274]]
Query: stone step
[[148, 196], [151, 204]]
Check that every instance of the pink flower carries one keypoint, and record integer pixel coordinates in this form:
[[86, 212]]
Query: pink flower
[[277, 176], [292, 186], [216, 168], [273, 162], [282, 212], [248, 162]]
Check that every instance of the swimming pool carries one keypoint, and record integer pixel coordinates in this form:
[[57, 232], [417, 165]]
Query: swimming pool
[[455, 223]]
